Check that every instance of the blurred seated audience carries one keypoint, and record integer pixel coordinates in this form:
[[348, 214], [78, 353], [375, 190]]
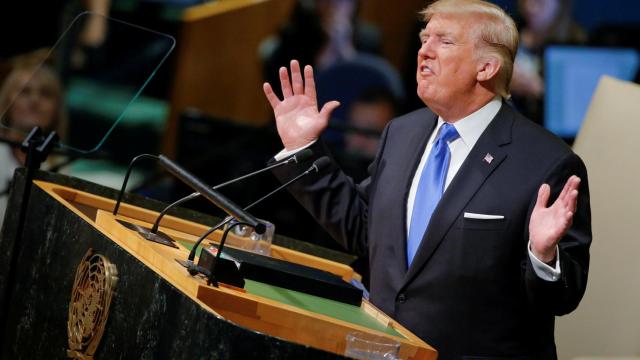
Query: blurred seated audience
[[319, 33], [343, 49], [545, 22], [347, 80], [368, 115]]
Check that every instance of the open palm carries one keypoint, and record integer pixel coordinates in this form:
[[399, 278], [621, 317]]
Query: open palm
[[548, 224], [297, 117]]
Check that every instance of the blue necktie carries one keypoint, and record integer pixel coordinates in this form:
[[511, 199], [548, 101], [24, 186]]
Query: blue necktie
[[430, 188]]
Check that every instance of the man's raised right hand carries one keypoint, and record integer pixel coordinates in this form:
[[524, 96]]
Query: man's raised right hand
[[297, 117]]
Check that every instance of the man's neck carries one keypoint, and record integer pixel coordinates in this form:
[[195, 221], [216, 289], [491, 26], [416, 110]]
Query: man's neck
[[464, 108]]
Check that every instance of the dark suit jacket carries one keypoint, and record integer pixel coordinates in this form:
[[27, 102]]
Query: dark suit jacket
[[471, 291]]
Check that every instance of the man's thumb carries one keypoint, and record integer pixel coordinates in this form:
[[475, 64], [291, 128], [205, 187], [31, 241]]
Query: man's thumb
[[328, 108]]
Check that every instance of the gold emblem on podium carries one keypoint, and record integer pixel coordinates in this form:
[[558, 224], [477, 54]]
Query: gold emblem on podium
[[93, 289]]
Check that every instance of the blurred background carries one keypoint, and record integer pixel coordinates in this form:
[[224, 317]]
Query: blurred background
[[184, 78]]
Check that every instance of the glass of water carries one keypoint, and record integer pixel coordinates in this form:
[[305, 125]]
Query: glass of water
[[371, 347], [244, 237]]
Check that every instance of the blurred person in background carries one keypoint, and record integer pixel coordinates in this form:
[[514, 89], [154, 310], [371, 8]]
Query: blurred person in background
[[545, 22], [319, 32], [372, 110], [31, 95]]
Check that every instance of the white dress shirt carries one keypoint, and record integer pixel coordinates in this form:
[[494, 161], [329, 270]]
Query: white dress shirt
[[469, 128]]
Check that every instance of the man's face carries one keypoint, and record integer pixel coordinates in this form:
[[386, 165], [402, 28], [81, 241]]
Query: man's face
[[447, 65]]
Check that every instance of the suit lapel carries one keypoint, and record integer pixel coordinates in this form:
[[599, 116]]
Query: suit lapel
[[472, 174]]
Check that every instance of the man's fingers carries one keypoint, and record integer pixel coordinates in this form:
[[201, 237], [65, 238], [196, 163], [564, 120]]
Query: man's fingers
[[576, 182], [572, 201], [569, 217], [328, 108], [309, 82], [568, 198], [543, 196], [572, 184], [296, 78], [565, 190], [271, 96], [285, 84]]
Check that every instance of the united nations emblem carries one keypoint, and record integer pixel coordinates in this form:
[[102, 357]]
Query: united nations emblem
[[93, 289]]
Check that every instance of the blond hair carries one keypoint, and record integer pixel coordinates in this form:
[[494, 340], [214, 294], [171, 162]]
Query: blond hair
[[497, 31], [15, 82]]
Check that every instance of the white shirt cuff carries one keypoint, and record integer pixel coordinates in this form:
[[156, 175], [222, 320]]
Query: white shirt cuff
[[287, 153], [544, 271]]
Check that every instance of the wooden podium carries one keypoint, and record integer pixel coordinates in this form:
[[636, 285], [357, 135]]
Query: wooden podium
[[157, 309]]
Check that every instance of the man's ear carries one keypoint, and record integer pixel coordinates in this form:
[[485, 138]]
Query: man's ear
[[488, 67]]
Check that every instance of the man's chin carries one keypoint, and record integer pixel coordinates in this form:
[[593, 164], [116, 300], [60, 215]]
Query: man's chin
[[426, 99]]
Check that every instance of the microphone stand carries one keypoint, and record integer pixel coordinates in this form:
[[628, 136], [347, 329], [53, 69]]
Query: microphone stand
[[156, 224], [297, 158], [37, 147], [126, 178], [193, 268], [212, 275], [158, 236]]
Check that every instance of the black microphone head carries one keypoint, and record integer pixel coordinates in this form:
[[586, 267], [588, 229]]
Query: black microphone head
[[320, 164], [302, 155], [260, 228]]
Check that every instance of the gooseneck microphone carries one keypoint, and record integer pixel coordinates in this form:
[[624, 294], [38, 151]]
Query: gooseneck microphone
[[210, 194], [193, 269], [126, 178], [299, 157]]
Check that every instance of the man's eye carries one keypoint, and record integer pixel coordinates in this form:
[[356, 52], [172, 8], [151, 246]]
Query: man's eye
[[447, 42]]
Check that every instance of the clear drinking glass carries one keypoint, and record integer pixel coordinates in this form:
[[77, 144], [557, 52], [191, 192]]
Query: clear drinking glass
[[371, 347], [244, 237]]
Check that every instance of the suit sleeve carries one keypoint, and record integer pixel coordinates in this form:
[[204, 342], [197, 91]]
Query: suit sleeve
[[563, 296], [334, 200]]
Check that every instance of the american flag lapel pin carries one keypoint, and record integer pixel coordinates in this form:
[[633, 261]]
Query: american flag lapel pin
[[488, 158]]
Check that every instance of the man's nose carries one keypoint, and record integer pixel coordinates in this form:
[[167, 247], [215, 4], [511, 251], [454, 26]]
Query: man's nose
[[426, 49]]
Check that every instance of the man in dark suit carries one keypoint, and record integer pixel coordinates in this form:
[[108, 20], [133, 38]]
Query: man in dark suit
[[465, 247]]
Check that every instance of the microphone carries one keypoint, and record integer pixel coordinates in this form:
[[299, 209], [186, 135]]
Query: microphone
[[212, 195], [299, 157], [193, 269], [157, 236], [126, 178]]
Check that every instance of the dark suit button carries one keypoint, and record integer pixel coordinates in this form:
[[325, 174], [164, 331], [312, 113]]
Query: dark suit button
[[402, 298]]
